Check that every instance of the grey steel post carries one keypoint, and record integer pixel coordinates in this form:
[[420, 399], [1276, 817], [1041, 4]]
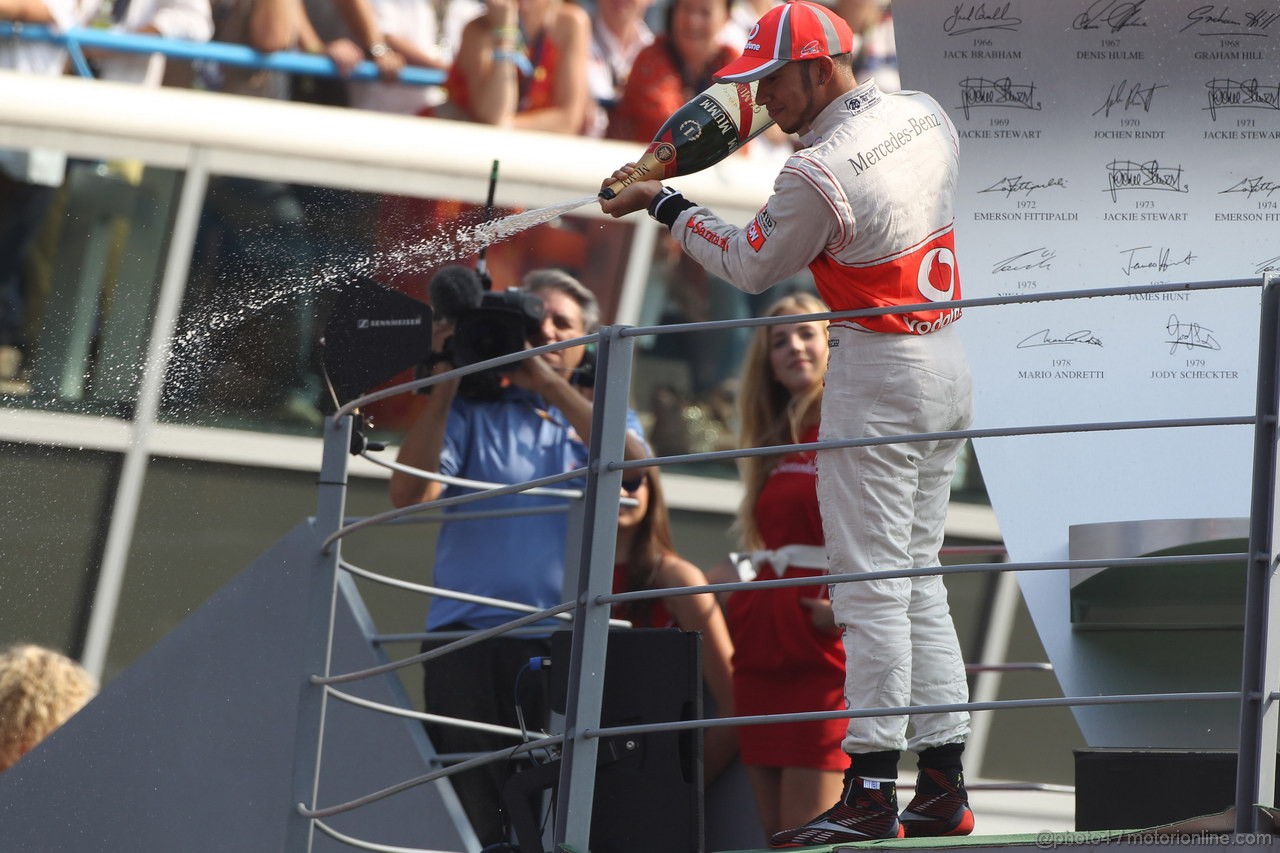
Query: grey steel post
[[574, 535], [591, 621], [321, 592], [1256, 756]]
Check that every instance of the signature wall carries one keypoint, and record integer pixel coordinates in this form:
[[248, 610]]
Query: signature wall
[[1107, 144]]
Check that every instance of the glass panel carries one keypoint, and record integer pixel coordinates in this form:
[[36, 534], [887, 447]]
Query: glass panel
[[270, 258], [685, 384], [244, 352], [200, 524], [51, 516], [79, 268]]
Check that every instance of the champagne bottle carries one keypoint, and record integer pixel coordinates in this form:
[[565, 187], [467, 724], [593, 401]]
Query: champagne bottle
[[700, 134]]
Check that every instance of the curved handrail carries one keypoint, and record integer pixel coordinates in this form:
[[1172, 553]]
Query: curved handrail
[[924, 571], [477, 637], [907, 438], [478, 761], [440, 592], [397, 711], [473, 497], [968, 302], [913, 710], [462, 482]]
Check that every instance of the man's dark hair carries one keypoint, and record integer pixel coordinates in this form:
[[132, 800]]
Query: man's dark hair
[[843, 62]]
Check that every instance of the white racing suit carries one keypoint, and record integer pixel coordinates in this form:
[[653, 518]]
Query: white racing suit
[[869, 208]]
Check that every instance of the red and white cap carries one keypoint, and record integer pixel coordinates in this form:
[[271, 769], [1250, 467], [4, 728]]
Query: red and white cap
[[794, 31]]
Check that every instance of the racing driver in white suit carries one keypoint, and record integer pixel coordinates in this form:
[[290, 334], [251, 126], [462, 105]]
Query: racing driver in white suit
[[868, 206]]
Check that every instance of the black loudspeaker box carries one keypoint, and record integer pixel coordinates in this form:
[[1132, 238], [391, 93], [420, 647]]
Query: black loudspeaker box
[[648, 794]]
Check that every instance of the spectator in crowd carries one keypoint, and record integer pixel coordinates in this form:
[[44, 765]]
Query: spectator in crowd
[[788, 657], [618, 34], [266, 26], [677, 66], [333, 21], [536, 426], [743, 15], [28, 178], [426, 34], [876, 52], [523, 64], [40, 690], [190, 20], [645, 558], [343, 48]]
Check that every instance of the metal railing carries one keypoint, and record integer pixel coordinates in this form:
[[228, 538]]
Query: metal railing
[[590, 605]]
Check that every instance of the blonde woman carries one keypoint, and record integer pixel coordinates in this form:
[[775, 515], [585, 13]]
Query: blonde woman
[[40, 690], [788, 653]]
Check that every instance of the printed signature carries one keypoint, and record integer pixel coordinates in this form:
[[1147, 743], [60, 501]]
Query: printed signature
[[1115, 15], [1126, 96], [1163, 262], [975, 17], [1018, 184], [1035, 259], [1045, 338], [1189, 335]]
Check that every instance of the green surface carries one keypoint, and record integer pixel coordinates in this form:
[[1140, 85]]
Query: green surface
[[960, 842]]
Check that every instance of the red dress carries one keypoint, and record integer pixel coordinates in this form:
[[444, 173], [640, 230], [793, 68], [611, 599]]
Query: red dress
[[651, 613], [781, 662], [537, 90]]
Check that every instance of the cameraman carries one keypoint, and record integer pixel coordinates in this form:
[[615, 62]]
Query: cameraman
[[536, 426]]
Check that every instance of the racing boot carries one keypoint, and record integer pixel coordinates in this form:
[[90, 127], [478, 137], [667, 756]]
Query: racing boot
[[868, 809], [940, 806]]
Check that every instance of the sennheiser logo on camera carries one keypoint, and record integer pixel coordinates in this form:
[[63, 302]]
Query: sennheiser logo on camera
[[365, 323]]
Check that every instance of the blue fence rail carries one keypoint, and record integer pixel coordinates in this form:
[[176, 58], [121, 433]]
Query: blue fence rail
[[289, 62]]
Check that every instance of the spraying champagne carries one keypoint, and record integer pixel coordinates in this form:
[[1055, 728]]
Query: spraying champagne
[[700, 134]]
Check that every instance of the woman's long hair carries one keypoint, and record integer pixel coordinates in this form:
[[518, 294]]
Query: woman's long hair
[[767, 412], [650, 545]]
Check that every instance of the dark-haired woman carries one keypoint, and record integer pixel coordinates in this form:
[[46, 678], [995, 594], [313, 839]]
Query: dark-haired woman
[[645, 558], [669, 72]]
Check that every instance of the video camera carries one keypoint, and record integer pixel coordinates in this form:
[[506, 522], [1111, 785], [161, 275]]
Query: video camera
[[373, 333], [486, 324]]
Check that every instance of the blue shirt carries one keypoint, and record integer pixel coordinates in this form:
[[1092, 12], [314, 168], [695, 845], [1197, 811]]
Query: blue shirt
[[509, 440]]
